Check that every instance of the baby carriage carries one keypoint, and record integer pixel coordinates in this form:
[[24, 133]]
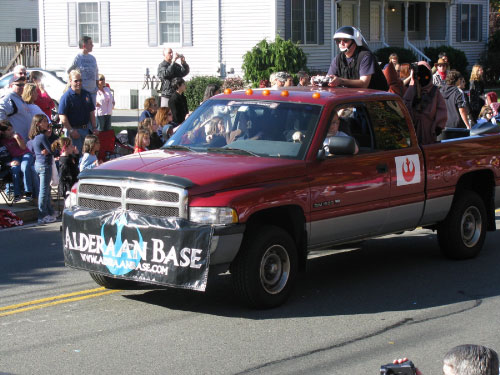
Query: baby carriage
[[111, 147]]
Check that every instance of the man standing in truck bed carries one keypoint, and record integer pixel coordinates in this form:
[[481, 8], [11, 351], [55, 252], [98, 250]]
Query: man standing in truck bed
[[355, 65]]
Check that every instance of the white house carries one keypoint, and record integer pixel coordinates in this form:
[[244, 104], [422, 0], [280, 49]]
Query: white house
[[18, 21], [129, 35]]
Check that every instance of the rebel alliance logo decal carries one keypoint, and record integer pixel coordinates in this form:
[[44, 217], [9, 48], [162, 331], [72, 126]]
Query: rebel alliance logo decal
[[407, 169]]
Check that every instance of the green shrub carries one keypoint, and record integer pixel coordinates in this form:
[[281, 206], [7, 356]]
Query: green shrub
[[404, 55], [456, 58], [195, 89], [266, 58]]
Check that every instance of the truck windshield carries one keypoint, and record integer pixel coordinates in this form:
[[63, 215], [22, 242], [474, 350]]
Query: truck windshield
[[258, 128]]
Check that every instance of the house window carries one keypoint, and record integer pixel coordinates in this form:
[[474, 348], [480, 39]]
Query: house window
[[26, 35], [88, 20], [413, 17], [170, 21], [305, 21], [470, 22]]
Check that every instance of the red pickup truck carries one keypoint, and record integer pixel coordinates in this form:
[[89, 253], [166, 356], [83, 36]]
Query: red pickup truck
[[251, 183]]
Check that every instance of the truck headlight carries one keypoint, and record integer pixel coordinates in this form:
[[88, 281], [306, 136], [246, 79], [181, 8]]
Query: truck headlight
[[213, 215]]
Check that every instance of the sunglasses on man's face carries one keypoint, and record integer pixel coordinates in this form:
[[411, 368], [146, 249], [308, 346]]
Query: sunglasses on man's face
[[77, 80]]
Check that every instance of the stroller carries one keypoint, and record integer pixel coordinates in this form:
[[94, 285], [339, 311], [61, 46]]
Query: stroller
[[111, 147]]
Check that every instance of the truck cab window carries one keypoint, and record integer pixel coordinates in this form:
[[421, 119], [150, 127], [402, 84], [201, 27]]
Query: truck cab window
[[389, 125]]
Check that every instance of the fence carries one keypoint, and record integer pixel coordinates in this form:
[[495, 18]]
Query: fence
[[12, 54]]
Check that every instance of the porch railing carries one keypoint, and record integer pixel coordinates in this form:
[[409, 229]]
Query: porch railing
[[422, 43], [416, 51], [12, 54], [375, 45]]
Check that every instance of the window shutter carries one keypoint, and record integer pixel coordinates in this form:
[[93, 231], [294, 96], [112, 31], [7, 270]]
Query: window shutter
[[72, 25], [321, 22], [18, 35], [480, 22], [152, 24], [288, 19], [187, 23], [105, 31], [459, 23], [34, 35]]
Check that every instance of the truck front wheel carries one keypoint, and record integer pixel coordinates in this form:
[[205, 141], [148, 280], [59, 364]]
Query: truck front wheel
[[265, 269], [461, 235], [112, 283]]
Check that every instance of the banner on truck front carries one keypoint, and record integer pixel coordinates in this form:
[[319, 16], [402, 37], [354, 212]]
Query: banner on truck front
[[133, 246]]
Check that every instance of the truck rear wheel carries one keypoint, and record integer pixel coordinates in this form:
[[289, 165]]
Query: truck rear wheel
[[265, 269], [112, 283], [461, 235]]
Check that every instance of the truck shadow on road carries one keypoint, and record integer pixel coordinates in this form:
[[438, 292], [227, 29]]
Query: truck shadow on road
[[396, 273]]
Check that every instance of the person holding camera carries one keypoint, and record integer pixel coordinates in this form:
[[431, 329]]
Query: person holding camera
[[167, 71], [355, 65], [468, 359]]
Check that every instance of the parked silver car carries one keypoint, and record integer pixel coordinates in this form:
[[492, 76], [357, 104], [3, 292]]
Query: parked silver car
[[53, 84]]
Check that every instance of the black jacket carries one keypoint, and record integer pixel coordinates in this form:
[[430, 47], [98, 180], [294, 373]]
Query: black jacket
[[167, 72], [178, 105], [351, 70]]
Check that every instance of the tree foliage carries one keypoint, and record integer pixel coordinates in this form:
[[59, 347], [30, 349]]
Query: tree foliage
[[278, 56], [489, 59], [195, 89]]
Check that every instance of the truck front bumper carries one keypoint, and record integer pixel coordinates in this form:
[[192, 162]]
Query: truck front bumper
[[226, 242]]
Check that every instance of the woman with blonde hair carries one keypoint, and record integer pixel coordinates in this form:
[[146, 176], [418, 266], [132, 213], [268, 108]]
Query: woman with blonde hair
[[150, 108], [477, 97], [44, 101], [30, 95]]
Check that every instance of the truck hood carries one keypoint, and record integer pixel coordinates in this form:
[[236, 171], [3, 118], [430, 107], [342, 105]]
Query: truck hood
[[210, 171]]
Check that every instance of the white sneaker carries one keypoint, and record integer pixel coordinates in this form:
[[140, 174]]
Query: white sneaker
[[47, 219]]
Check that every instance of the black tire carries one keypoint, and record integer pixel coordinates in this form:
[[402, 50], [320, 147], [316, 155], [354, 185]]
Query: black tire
[[461, 235], [265, 269], [112, 283]]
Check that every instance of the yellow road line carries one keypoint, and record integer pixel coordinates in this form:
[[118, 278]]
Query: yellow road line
[[57, 300], [61, 296]]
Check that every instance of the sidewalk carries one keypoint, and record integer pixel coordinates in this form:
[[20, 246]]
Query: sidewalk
[[28, 211]]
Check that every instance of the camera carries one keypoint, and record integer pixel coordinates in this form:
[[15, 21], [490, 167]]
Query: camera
[[414, 67], [405, 368], [322, 81]]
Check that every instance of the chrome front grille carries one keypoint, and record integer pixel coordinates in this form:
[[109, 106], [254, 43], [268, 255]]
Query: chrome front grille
[[166, 196], [107, 191], [96, 204], [149, 198]]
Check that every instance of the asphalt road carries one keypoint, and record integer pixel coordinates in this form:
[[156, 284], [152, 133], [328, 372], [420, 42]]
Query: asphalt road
[[351, 312]]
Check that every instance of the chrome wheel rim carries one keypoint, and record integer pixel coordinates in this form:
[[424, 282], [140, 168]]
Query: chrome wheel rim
[[471, 226], [274, 269]]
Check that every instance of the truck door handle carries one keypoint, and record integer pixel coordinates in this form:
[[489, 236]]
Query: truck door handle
[[382, 168]]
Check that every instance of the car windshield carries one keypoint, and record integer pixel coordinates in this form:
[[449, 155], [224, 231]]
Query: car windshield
[[259, 128]]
